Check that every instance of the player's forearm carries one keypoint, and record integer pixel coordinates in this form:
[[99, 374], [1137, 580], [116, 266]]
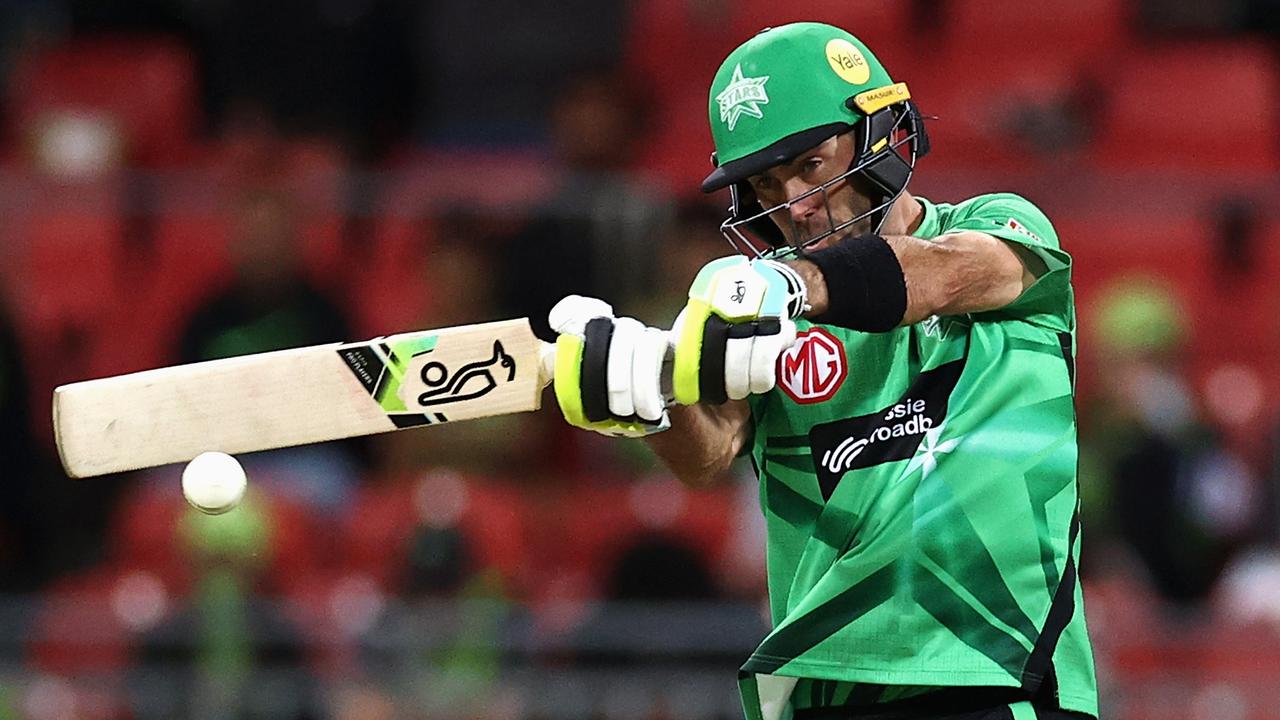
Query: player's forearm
[[954, 274], [703, 440]]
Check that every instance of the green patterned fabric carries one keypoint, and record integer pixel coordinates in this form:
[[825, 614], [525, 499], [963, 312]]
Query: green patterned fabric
[[919, 518]]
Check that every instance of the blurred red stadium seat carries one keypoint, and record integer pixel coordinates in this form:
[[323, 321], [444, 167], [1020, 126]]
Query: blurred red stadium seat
[[1196, 106], [71, 264], [666, 35], [144, 534], [878, 24], [1083, 28], [191, 256], [183, 262], [676, 152], [147, 85], [374, 531], [391, 275], [76, 630], [1108, 247], [992, 123]]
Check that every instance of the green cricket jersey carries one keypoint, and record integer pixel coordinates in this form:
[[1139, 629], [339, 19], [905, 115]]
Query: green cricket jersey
[[919, 488]]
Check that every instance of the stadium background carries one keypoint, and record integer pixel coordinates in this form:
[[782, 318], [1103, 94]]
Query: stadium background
[[182, 180]]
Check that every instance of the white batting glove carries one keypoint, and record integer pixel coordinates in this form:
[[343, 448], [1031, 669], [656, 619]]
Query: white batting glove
[[608, 374]]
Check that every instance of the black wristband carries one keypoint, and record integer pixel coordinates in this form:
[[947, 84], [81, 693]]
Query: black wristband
[[866, 289]]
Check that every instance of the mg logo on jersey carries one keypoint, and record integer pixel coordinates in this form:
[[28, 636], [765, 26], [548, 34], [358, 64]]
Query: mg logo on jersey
[[814, 368]]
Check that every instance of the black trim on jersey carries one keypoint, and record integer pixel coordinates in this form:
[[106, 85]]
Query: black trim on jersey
[[948, 703], [1039, 678], [1064, 341]]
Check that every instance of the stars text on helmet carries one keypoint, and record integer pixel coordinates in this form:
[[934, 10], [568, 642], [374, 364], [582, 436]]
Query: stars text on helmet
[[743, 96]]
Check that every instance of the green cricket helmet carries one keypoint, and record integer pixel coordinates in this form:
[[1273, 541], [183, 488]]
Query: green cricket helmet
[[789, 89]]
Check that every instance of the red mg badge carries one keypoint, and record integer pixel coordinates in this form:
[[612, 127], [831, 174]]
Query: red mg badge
[[813, 369]]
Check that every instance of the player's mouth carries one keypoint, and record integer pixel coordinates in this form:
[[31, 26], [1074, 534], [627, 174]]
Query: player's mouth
[[827, 241]]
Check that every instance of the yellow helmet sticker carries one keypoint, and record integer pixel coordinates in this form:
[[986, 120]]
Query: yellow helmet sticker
[[873, 100], [847, 61]]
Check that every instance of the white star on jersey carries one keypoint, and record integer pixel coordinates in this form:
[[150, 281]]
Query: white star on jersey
[[926, 457], [743, 96]]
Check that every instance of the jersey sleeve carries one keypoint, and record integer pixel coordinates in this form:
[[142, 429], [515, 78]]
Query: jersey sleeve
[[1014, 219]]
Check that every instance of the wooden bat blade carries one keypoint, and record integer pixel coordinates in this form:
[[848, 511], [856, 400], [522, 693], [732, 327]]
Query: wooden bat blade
[[299, 396]]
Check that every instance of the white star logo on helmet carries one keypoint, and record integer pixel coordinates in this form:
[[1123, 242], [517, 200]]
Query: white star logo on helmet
[[743, 96]]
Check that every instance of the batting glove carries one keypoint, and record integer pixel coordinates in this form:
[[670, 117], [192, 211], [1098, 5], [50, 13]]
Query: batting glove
[[608, 373], [737, 322]]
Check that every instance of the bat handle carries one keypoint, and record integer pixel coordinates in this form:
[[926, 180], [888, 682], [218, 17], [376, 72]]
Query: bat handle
[[546, 363]]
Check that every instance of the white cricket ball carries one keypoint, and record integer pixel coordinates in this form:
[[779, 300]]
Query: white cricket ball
[[213, 482]]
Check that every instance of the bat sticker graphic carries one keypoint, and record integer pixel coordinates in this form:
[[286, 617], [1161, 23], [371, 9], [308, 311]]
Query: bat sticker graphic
[[471, 381]]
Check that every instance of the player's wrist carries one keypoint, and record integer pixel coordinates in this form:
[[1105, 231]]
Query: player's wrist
[[815, 286], [866, 289], [794, 288]]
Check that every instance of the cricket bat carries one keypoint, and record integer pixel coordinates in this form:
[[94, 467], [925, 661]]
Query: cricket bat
[[299, 396]]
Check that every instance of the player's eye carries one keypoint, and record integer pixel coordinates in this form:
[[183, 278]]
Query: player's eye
[[762, 183], [811, 165]]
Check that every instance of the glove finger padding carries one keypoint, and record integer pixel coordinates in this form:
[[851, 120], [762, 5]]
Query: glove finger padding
[[646, 375], [727, 361], [571, 314], [769, 345], [627, 333], [607, 368], [738, 352]]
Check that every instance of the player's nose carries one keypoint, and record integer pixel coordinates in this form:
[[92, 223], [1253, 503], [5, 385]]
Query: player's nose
[[803, 207]]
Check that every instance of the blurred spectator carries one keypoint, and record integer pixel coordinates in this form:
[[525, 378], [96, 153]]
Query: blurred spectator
[[1237, 235], [216, 652], [271, 304], [492, 68], [596, 236], [1180, 501], [444, 646], [655, 568], [34, 542], [1055, 125], [691, 240], [1197, 19], [318, 67], [652, 569], [17, 464], [311, 66], [23, 25]]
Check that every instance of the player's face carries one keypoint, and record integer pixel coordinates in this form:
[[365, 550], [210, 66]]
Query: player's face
[[818, 213]]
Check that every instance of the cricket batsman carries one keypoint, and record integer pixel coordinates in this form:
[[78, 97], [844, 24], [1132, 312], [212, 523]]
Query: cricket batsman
[[901, 374]]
